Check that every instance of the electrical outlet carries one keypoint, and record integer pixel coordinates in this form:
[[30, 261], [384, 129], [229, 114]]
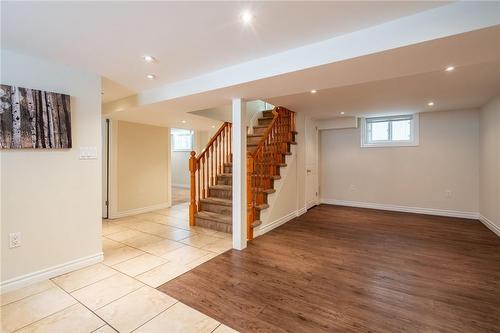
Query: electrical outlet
[[448, 193], [14, 239]]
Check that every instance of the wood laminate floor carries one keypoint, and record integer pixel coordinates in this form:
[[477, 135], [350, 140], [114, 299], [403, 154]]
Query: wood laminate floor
[[340, 269]]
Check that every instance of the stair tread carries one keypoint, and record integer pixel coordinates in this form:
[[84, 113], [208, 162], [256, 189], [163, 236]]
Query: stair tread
[[256, 223], [217, 201], [216, 217], [220, 187], [262, 206], [255, 135], [260, 126], [225, 175]]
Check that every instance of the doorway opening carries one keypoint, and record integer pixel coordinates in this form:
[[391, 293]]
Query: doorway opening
[[182, 143]]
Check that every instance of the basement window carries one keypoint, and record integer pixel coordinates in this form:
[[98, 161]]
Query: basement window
[[182, 139], [391, 131]]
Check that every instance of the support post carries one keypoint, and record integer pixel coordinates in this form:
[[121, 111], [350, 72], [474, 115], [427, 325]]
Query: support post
[[239, 116], [192, 203]]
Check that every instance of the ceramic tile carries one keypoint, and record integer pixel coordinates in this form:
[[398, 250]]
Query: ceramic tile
[[162, 247], [141, 240], [115, 256], [111, 228], [105, 291], [124, 235], [161, 274], [136, 308], [21, 293], [179, 214], [152, 217], [149, 227], [185, 255], [224, 329], [178, 223], [199, 240], [219, 246], [139, 264], [74, 319], [108, 244], [180, 318], [105, 329], [30, 309], [83, 277], [199, 261]]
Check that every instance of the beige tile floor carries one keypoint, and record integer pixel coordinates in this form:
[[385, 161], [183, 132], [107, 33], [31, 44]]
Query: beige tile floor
[[118, 295]]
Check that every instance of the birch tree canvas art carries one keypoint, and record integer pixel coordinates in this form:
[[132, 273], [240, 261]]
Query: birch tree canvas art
[[32, 118]]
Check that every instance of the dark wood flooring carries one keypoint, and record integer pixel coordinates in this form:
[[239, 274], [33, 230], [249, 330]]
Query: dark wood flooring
[[340, 269]]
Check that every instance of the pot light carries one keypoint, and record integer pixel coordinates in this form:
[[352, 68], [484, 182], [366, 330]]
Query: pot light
[[342, 112], [314, 91], [151, 76], [148, 58], [430, 103], [183, 121], [213, 126], [450, 69], [246, 17]]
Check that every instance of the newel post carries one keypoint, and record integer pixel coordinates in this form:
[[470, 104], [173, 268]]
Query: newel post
[[250, 210], [192, 203]]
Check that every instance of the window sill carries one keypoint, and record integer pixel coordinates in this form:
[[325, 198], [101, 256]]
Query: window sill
[[389, 144]]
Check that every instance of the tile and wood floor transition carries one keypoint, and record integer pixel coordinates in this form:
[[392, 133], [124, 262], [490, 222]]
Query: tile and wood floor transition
[[140, 253], [339, 269], [334, 269]]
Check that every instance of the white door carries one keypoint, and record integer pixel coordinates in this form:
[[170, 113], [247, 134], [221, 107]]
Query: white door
[[312, 190]]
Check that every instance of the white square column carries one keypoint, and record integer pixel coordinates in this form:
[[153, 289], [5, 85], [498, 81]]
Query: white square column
[[239, 174]]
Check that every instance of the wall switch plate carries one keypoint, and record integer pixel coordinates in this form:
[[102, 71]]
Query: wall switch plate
[[448, 193], [14, 239], [88, 153]]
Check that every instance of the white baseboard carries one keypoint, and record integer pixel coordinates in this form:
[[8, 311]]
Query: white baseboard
[[301, 211], [181, 185], [136, 211], [493, 227], [406, 209], [311, 204], [44, 274], [270, 226]]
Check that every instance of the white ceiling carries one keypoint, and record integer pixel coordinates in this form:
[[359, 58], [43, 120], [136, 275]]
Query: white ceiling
[[111, 91], [466, 87], [187, 38]]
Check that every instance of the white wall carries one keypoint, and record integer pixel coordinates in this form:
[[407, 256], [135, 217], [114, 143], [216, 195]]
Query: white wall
[[446, 159], [50, 196], [139, 168], [180, 159], [489, 175]]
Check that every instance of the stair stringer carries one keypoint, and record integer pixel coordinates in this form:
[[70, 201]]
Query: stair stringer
[[283, 202]]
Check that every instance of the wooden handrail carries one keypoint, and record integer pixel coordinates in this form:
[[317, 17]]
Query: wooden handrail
[[264, 162], [205, 167]]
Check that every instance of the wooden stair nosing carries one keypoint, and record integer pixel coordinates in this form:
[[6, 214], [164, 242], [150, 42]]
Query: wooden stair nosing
[[217, 201]]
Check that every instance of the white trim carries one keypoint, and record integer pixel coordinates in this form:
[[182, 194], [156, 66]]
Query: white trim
[[44, 274], [407, 209], [302, 210], [141, 210], [414, 134], [270, 226], [180, 185], [493, 227], [311, 204]]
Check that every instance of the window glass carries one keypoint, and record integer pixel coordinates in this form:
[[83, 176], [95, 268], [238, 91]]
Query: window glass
[[380, 131], [401, 130]]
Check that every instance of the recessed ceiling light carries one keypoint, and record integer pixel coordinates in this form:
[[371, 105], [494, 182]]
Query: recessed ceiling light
[[151, 76], [148, 58], [430, 103], [450, 68], [314, 91], [213, 126], [183, 121], [246, 17], [342, 112]]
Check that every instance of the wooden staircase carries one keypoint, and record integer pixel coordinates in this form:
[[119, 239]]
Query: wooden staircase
[[211, 171]]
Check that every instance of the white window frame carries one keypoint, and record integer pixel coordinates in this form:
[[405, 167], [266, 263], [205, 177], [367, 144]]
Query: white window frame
[[414, 132], [190, 134]]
